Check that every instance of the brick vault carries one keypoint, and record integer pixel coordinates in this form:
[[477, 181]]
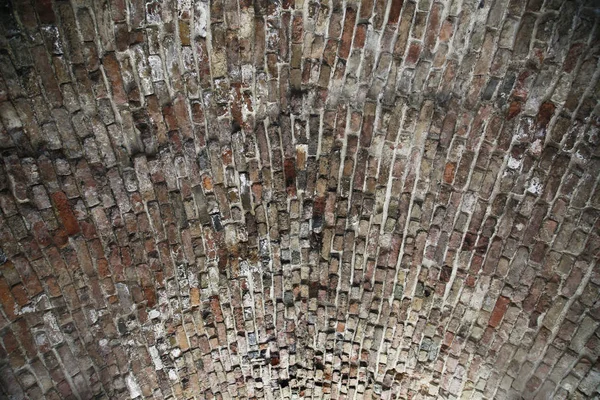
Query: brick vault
[[288, 200]]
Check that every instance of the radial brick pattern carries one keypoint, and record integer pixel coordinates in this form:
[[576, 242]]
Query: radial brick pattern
[[224, 199]]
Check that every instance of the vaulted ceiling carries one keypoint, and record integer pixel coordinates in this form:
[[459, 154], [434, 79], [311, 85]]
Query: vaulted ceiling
[[278, 199]]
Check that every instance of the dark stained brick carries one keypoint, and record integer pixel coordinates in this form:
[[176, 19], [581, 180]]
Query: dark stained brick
[[65, 213]]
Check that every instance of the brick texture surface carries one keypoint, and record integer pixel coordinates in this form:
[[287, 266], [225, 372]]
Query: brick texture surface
[[217, 199]]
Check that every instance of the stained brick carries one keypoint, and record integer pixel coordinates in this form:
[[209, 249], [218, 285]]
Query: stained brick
[[394, 13], [113, 73], [65, 213], [347, 33], [499, 311]]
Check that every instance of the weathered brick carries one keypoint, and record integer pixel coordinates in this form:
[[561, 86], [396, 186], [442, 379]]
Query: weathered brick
[[150, 193], [347, 33], [498, 312], [65, 213]]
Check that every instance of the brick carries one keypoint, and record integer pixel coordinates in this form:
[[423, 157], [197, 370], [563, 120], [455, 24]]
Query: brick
[[433, 25], [394, 13], [112, 69], [45, 69], [347, 33], [69, 26], [414, 50], [582, 334], [65, 213], [499, 311]]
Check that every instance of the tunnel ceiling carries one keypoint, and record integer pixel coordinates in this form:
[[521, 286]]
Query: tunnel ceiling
[[277, 199]]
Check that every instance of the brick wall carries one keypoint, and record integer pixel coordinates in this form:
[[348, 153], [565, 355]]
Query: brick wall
[[342, 199]]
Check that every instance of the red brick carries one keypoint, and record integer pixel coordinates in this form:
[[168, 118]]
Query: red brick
[[290, 176], [414, 51], [113, 73], [347, 33], [45, 11], [118, 10], [394, 14], [513, 110], [11, 344], [449, 172], [431, 33], [404, 28], [7, 300], [366, 9], [52, 287], [471, 281], [297, 28], [446, 30], [360, 35], [498, 312], [20, 295], [65, 213], [545, 114]]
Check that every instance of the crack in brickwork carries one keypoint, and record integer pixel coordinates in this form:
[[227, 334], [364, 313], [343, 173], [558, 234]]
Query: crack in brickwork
[[392, 199]]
